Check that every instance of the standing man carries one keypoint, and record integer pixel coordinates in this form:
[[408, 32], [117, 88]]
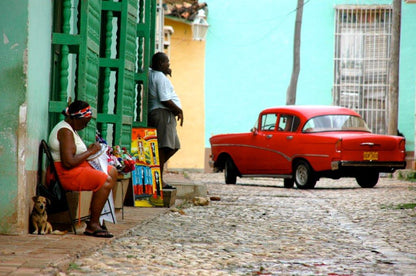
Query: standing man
[[164, 109]]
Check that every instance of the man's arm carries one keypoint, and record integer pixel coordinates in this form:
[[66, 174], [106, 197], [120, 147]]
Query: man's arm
[[176, 110]]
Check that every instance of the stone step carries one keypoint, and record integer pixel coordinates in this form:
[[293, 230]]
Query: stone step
[[188, 190]]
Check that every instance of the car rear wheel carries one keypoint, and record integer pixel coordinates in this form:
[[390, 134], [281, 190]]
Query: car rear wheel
[[288, 182], [367, 179], [230, 172], [304, 175]]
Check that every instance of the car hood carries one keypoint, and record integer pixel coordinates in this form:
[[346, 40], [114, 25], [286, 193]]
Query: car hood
[[221, 138]]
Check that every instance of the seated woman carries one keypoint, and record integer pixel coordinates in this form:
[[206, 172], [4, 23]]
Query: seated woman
[[76, 174]]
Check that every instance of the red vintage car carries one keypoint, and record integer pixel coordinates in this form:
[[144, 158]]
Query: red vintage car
[[304, 143]]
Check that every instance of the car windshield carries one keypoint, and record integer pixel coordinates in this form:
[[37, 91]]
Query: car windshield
[[335, 123]]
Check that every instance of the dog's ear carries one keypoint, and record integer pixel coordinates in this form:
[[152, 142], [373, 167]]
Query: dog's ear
[[34, 198], [48, 201]]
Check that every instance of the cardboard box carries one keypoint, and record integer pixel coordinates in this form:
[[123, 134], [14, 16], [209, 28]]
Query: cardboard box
[[120, 192]]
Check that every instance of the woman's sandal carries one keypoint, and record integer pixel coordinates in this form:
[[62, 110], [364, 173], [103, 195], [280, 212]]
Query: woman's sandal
[[99, 233]]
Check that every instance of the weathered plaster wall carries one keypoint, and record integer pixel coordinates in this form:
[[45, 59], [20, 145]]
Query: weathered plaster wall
[[38, 86], [188, 70], [38, 82], [248, 61], [407, 80], [24, 89], [13, 48]]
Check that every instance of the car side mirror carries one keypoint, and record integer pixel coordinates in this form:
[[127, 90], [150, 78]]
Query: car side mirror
[[254, 131]]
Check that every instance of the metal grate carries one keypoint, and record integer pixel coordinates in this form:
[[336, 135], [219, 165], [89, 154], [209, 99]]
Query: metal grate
[[362, 46]]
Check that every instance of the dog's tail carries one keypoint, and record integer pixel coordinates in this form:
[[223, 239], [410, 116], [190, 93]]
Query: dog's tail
[[57, 232]]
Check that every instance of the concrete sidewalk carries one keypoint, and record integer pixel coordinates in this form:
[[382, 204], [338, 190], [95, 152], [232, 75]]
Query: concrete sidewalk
[[48, 254]]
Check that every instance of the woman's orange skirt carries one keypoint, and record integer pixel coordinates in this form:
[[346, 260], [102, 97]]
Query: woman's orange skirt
[[81, 178]]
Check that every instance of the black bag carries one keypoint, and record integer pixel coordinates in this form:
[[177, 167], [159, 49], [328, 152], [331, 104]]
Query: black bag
[[56, 196], [52, 190]]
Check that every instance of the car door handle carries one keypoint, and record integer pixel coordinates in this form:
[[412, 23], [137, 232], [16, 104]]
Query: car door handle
[[290, 137], [269, 136]]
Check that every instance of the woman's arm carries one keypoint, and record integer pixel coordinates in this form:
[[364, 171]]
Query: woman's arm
[[67, 149]]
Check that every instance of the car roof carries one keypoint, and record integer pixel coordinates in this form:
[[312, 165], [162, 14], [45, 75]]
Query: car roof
[[309, 111]]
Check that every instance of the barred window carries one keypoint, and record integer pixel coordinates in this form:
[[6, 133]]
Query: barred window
[[362, 46]]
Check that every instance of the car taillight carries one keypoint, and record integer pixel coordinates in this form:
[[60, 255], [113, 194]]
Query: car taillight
[[402, 144], [402, 147], [338, 146]]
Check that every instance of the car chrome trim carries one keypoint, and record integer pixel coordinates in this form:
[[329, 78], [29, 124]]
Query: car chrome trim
[[398, 164], [254, 147], [269, 175], [275, 151], [310, 155], [370, 144]]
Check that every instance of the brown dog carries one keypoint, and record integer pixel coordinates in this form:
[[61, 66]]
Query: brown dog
[[39, 217]]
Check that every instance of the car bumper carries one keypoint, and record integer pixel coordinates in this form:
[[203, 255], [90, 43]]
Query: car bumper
[[388, 166]]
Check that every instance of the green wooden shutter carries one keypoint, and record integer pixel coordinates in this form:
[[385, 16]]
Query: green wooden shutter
[[114, 85], [88, 62], [125, 81], [85, 45], [146, 31], [135, 19]]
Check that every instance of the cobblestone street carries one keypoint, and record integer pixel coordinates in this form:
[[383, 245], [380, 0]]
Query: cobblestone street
[[260, 228]]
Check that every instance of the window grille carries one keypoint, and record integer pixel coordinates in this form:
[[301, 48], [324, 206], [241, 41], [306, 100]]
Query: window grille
[[361, 62]]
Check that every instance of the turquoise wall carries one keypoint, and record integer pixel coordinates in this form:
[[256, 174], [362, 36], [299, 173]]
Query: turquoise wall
[[248, 61], [407, 75], [39, 68], [13, 22], [249, 52], [24, 89]]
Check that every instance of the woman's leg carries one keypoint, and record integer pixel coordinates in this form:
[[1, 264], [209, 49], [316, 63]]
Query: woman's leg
[[99, 199]]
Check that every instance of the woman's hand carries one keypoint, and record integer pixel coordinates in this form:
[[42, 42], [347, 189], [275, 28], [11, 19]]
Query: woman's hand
[[69, 158], [94, 148]]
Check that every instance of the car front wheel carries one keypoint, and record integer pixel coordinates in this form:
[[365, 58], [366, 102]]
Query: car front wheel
[[367, 179], [304, 175], [230, 172]]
